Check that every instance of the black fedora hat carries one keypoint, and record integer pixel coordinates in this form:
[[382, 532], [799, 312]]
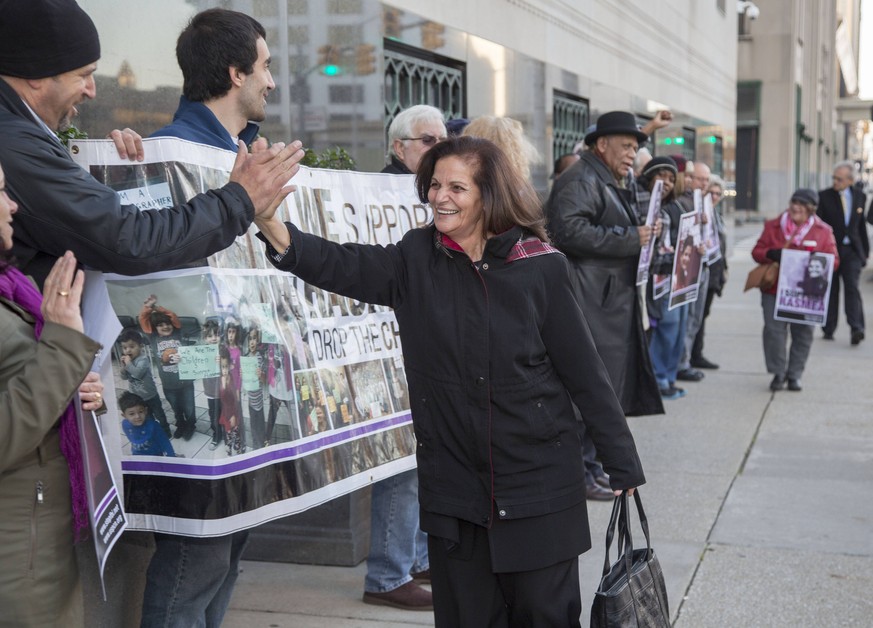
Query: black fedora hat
[[616, 123]]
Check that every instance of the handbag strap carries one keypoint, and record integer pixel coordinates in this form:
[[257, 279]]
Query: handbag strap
[[644, 522], [620, 520], [610, 532]]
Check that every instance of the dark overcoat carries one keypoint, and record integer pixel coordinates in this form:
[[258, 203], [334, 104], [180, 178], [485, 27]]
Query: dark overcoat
[[590, 218], [830, 210], [494, 353]]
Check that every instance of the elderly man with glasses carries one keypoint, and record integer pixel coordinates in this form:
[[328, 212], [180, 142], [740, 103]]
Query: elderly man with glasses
[[412, 133]]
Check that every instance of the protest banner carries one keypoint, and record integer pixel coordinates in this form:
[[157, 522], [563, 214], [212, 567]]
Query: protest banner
[[687, 262], [332, 412], [804, 287], [651, 218]]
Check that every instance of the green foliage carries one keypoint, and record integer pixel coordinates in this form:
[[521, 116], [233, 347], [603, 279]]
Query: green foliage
[[70, 133], [335, 158]]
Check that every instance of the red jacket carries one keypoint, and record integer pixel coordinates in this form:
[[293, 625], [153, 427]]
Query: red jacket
[[820, 238]]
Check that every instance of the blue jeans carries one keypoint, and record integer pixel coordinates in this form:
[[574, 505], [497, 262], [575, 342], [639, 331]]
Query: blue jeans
[[397, 546], [667, 343], [190, 580]]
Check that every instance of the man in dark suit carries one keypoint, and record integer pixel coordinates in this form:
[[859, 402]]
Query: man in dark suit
[[842, 207]]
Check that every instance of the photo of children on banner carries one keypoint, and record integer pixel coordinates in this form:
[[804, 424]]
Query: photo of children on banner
[[804, 287], [688, 261], [651, 218], [145, 434]]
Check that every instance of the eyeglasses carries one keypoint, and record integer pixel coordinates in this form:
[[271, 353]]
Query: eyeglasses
[[427, 140]]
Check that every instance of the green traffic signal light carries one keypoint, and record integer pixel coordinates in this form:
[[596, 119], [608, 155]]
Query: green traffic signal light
[[679, 140], [668, 140], [330, 70]]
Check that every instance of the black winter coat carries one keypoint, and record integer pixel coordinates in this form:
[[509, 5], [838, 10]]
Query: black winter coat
[[591, 220], [62, 207], [494, 354]]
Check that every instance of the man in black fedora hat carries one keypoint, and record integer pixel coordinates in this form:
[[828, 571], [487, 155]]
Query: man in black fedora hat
[[591, 219]]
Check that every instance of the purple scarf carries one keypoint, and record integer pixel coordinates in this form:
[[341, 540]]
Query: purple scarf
[[17, 288]]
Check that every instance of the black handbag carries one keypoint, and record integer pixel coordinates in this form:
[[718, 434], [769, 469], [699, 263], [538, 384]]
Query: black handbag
[[632, 593]]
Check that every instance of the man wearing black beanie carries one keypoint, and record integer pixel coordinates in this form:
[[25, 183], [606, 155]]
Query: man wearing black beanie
[[48, 55]]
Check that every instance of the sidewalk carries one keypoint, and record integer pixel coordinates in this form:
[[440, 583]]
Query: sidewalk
[[760, 505]]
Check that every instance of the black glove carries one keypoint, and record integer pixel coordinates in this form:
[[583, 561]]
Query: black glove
[[775, 255]]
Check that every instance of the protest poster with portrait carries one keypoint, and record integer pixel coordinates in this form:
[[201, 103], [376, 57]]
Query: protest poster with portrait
[[299, 395], [687, 262], [804, 287], [651, 218], [709, 230]]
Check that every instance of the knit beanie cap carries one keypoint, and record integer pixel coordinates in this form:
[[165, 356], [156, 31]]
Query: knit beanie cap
[[805, 196], [659, 163], [43, 38]]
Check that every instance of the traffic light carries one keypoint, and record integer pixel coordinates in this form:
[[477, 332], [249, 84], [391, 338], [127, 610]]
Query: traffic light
[[432, 35], [328, 60], [391, 23], [365, 60]]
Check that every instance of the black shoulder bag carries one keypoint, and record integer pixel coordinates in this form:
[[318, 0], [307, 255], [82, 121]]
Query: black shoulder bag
[[632, 593]]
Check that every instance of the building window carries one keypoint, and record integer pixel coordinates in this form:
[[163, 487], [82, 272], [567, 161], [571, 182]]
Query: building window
[[344, 34], [748, 103], [264, 8], [747, 149], [346, 94], [298, 7], [569, 121], [343, 7], [298, 64], [414, 77], [298, 35]]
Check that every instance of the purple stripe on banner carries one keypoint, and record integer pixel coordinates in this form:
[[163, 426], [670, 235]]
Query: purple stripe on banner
[[283, 453], [105, 503]]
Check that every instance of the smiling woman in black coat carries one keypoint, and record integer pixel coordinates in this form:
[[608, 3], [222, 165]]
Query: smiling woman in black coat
[[496, 351]]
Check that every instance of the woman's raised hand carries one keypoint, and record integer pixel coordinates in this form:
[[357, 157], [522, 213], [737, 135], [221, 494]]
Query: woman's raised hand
[[62, 293]]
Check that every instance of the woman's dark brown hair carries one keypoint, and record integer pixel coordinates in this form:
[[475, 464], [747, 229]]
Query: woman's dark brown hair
[[507, 199]]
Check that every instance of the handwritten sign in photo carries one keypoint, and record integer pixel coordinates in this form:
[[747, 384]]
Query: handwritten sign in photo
[[263, 314], [198, 362], [249, 367]]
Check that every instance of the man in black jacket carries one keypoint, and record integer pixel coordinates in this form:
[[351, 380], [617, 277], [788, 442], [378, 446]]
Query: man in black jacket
[[591, 220], [48, 56], [842, 207]]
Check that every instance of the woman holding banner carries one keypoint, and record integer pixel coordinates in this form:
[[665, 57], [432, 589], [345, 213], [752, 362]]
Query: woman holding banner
[[796, 228], [496, 348], [44, 361]]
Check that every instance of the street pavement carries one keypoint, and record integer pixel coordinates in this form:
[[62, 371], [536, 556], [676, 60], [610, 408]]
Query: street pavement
[[760, 504]]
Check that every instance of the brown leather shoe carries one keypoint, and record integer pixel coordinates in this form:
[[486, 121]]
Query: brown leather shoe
[[421, 577], [409, 597]]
